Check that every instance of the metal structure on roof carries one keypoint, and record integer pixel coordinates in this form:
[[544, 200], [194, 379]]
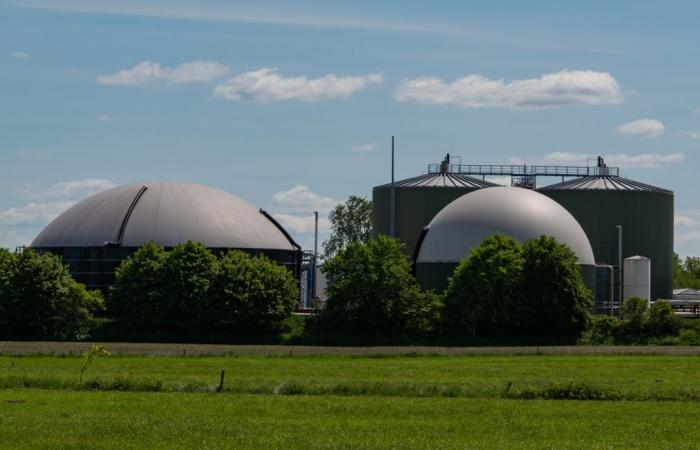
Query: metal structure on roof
[[523, 175], [446, 180]]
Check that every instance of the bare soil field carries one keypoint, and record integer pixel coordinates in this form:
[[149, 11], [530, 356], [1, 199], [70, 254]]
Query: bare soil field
[[34, 347]]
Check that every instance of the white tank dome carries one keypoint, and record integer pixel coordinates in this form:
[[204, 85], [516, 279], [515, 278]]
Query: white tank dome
[[167, 213], [520, 213]]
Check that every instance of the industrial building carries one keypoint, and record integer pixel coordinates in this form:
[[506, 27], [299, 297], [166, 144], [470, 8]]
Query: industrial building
[[520, 213], [95, 235], [619, 218]]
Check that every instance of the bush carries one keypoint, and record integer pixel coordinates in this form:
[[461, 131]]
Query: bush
[[253, 293], [482, 294], [135, 298], [602, 330], [662, 320], [370, 289], [42, 301]]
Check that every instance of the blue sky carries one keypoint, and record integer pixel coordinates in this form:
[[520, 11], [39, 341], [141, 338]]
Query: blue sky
[[292, 105]]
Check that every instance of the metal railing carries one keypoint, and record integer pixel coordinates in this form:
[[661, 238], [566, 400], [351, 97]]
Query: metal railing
[[525, 170]]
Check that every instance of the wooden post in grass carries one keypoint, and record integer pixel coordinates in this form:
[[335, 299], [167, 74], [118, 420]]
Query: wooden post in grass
[[221, 382]]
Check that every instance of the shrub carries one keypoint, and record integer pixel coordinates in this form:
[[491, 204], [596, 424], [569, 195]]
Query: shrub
[[253, 293], [370, 289], [662, 320], [602, 330], [135, 298], [44, 302], [481, 295]]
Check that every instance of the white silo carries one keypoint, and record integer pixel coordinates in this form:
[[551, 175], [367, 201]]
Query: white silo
[[637, 276]]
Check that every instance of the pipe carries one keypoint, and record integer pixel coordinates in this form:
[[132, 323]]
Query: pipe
[[392, 206], [620, 265]]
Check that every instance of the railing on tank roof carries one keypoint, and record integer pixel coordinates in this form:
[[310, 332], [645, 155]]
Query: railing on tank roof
[[525, 170]]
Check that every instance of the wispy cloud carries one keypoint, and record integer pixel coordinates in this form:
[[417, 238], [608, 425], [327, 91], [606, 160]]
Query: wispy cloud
[[687, 226], [73, 189], [152, 72], [18, 54], [648, 128], [692, 134], [553, 90], [364, 148], [643, 160], [104, 118], [43, 204], [294, 210], [267, 85]]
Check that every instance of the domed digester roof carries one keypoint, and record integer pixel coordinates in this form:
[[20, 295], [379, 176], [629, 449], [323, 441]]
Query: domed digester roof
[[645, 212], [417, 200], [167, 213], [520, 213]]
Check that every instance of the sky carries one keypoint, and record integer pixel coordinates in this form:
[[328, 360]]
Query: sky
[[292, 105]]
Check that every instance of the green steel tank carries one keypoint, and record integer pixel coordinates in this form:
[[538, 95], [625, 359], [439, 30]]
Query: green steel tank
[[645, 212], [417, 200]]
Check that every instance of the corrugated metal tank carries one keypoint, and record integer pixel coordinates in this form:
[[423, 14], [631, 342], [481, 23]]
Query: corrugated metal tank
[[600, 203], [417, 201]]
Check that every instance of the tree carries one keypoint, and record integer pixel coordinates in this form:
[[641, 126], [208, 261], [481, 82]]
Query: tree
[[7, 261], [44, 302], [135, 299], [350, 222], [554, 299], [370, 289], [253, 293], [686, 274], [481, 295], [189, 271]]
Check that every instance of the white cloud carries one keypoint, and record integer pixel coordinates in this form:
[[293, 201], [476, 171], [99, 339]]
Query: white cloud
[[104, 118], [553, 90], [502, 180], [152, 72], [267, 85], [301, 199], [364, 148], [294, 210], [649, 128], [67, 189], [12, 238], [19, 55], [33, 213], [684, 221], [689, 236], [692, 134], [644, 160]]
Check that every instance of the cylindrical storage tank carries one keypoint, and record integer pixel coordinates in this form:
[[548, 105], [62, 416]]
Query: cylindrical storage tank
[[520, 213], [636, 276], [95, 235], [417, 200], [601, 203]]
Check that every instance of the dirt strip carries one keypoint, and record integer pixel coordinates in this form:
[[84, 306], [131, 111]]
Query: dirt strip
[[15, 348]]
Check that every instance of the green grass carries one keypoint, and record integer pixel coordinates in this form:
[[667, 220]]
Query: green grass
[[58, 419], [629, 377]]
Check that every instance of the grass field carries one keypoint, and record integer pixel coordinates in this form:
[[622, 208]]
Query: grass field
[[366, 400]]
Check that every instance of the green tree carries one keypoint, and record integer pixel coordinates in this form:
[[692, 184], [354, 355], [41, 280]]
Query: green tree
[[253, 293], [350, 222], [481, 296], [370, 289], [686, 274], [135, 299], [554, 299], [188, 273], [45, 302], [7, 261]]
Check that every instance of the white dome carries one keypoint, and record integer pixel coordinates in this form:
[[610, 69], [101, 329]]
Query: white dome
[[167, 213], [520, 213]]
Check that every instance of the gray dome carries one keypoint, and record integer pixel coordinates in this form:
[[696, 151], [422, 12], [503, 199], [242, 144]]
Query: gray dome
[[167, 213], [521, 213]]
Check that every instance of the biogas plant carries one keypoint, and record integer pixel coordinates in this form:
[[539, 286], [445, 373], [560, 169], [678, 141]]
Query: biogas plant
[[620, 230]]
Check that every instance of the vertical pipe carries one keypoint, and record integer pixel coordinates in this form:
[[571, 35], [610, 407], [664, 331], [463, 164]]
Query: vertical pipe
[[313, 282], [392, 205], [621, 271]]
